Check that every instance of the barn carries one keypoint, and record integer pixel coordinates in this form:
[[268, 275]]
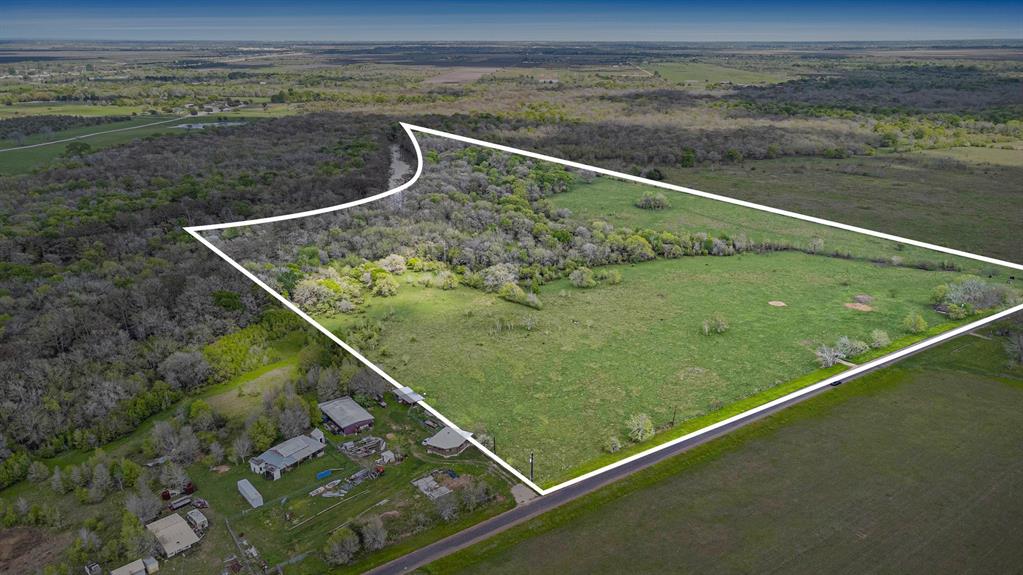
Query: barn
[[346, 415]]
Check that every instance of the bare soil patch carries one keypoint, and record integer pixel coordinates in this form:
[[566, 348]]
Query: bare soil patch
[[859, 306], [28, 550], [220, 469], [776, 303]]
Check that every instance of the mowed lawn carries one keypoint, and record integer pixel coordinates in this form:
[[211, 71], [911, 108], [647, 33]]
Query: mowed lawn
[[559, 381], [614, 201], [911, 470]]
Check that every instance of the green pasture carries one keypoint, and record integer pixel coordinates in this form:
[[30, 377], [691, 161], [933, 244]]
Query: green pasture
[[26, 160], [692, 72], [612, 200], [558, 381], [909, 470]]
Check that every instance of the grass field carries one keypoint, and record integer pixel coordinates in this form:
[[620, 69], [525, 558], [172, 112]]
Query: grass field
[[22, 161], [1001, 154], [614, 201], [596, 357], [693, 72], [965, 207], [910, 470], [70, 109]]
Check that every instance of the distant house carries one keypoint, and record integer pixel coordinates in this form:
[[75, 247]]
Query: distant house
[[407, 396], [275, 461], [250, 493], [173, 535], [446, 442], [349, 417], [145, 566]]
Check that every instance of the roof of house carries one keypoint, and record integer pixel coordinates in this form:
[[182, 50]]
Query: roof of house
[[173, 534], [407, 395], [136, 567], [250, 493], [344, 411], [446, 438], [290, 452]]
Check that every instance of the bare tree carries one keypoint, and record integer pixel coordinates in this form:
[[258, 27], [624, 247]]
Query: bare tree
[[143, 503], [373, 533], [241, 447]]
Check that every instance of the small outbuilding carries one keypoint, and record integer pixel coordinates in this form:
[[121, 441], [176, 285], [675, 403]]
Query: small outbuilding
[[446, 443], [250, 493], [146, 566], [407, 396], [173, 535], [346, 415]]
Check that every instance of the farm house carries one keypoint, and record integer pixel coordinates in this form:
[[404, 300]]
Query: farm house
[[446, 443], [347, 415], [173, 535], [273, 462]]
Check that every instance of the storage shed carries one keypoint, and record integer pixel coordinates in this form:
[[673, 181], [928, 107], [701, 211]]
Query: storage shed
[[347, 415], [250, 493]]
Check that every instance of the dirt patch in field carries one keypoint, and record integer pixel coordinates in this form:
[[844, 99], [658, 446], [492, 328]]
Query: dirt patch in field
[[221, 469], [859, 306], [776, 303], [28, 550]]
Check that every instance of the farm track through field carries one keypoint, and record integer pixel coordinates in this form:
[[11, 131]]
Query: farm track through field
[[83, 136]]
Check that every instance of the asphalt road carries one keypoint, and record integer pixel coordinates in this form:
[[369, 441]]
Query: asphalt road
[[493, 526]]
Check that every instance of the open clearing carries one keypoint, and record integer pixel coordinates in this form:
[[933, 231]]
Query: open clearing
[[910, 470], [696, 72], [597, 356]]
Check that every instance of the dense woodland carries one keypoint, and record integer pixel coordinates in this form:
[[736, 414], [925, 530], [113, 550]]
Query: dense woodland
[[102, 290]]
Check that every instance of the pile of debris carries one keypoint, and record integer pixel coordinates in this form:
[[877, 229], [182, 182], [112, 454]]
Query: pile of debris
[[364, 447]]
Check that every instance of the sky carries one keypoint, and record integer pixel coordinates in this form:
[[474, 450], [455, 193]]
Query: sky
[[567, 20]]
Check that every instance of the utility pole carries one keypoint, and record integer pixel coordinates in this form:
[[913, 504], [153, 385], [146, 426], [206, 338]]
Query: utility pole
[[530, 465]]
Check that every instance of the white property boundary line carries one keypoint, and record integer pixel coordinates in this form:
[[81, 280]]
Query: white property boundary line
[[410, 130]]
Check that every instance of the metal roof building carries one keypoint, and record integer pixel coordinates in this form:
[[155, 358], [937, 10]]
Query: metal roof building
[[250, 493], [406, 395], [283, 456], [446, 442], [347, 415]]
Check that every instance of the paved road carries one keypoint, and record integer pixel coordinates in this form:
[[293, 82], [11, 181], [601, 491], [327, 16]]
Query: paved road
[[511, 518]]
